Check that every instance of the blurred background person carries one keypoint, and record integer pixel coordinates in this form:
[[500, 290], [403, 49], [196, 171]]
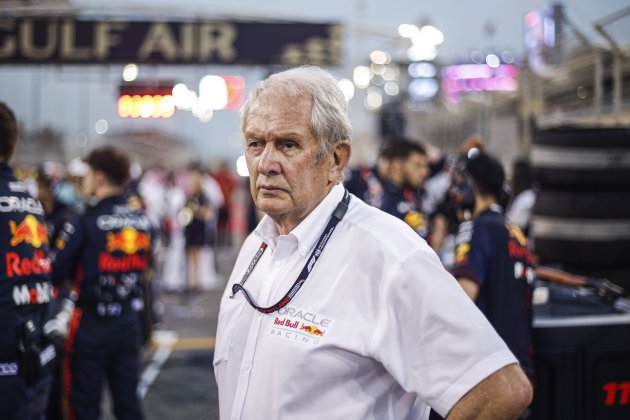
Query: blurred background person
[[366, 182], [197, 212], [199, 218], [173, 271], [493, 262], [521, 206], [105, 252], [395, 184], [56, 215], [456, 204], [57, 212], [229, 184], [25, 289]]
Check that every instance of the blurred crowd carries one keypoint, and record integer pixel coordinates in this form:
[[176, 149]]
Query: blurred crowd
[[429, 189], [192, 210]]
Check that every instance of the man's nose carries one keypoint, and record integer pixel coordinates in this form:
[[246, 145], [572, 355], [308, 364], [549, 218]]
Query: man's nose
[[268, 162]]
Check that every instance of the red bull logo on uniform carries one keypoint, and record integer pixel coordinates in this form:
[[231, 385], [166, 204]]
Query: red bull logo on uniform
[[29, 231], [312, 330], [128, 240], [299, 326], [461, 253]]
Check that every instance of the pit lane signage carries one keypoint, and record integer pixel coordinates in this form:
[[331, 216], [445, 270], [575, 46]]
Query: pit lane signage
[[39, 40]]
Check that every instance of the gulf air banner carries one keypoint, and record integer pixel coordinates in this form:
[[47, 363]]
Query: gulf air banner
[[55, 39]]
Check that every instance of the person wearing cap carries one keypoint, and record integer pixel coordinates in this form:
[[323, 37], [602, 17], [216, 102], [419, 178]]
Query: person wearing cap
[[103, 252], [334, 308], [493, 262], [25, 289]]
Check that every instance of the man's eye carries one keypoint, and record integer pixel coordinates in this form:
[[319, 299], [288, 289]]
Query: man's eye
[[290, 145]]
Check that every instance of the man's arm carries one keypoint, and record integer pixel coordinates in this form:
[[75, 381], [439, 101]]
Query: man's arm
[[502, 395], [470, 287]]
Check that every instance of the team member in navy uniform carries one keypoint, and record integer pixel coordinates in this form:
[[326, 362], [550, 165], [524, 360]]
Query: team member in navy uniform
[[104, 253], [408, 169], [25, 290], [493, 262]]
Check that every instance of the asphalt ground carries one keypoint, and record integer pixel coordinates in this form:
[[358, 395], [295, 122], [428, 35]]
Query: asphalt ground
[[177, 378]]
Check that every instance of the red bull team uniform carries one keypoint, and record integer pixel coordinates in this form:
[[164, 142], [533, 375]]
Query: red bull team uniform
[[375, 333], [495, 255], [25, 291], [103, 253]]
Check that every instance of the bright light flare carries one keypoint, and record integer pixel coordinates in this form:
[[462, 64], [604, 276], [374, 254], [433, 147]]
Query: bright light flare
[[347, 87], [213, 92], [130, 72], [361, 77]]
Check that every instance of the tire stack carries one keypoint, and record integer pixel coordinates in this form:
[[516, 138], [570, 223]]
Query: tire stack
[[581, 220]]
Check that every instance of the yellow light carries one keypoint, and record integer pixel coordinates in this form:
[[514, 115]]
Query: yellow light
[[147, 106], [124, 106]]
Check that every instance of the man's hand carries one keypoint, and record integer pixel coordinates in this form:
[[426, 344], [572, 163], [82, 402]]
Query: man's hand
[[502, 395]]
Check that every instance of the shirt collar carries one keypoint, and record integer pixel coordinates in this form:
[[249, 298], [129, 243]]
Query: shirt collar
[[309, 229]]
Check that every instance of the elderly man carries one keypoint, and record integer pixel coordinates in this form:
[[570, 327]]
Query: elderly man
[[336, 309]]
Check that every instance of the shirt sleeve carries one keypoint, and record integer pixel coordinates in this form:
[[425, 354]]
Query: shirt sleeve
[[473, 251], [67, 250], [431, 337]]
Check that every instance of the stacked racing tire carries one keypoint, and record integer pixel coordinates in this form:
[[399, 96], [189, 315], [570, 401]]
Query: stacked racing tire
[[581, 219]]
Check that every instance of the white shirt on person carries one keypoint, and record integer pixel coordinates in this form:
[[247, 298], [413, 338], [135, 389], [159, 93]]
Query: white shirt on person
[[378, 331], [520, 211]]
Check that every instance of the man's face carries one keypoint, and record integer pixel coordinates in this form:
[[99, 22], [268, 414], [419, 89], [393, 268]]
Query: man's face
[[415, 170], [287, 180]]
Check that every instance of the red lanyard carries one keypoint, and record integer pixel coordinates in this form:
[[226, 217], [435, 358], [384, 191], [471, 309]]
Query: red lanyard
[[337, 215]]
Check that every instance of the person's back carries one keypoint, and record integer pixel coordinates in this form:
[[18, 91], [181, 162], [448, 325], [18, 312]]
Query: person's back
[[104, 252], [502, 265], [493, 262]]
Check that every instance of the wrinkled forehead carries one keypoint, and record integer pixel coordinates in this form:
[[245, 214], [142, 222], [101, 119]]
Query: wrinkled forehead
[[279, 108]]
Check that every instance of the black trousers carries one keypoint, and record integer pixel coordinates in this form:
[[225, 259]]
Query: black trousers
[[21, 402], [99, 349]]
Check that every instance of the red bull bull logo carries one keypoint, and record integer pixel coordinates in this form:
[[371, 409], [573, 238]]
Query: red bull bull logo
[[29, 231], [312, 330], [128, 240]]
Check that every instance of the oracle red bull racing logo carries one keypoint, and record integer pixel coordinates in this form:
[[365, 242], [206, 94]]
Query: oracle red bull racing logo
[[128, 240], [29, 231], [300, 326]]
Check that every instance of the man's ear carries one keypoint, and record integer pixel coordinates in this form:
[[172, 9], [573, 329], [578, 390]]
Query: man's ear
[[341, 156], [100, 179]]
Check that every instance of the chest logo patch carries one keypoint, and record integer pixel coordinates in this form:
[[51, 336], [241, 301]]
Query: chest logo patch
[[305, 328]]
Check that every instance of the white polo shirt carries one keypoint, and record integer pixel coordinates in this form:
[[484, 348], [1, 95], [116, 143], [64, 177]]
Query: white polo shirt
[[378, 331]]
